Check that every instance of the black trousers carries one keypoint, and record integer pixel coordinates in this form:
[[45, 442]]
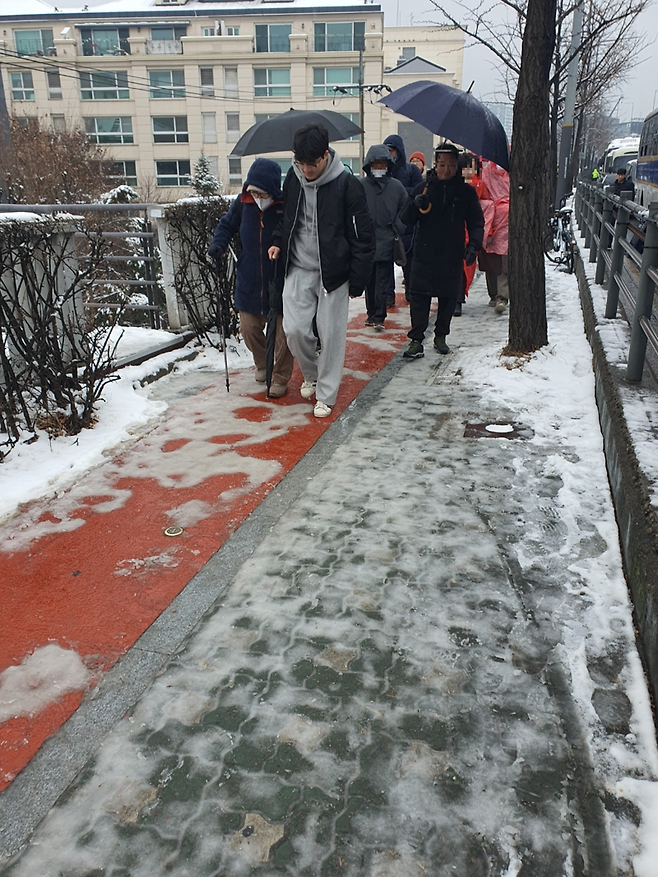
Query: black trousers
[[377, 290], [448, 288]]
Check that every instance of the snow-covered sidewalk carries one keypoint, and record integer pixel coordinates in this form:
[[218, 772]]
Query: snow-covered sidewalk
[[423, 662]]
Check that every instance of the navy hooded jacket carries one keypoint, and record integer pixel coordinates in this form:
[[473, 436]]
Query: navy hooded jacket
[[244, 217], [404, 171]]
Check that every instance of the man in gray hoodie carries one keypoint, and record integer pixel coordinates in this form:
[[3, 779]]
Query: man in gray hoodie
[[327, 241]]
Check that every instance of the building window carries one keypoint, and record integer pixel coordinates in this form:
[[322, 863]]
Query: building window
[[327, 79], [208, 128], [232, 31], [34, 42], [109, 129], [170, 129], [26, 122], [105, 41], [230, 81], [213, 165], [54, 82], [234, 171], [207, 81], [59, 123], [262, 117], [208, 32], [352, 164], [273, 37], [166, 40], [22, 86], [353, 117], [104, 85], [408, 52], [172, 173], [167, 83], [272, 82], [168, 34], [347, 36], [232, 127], [123, 172]]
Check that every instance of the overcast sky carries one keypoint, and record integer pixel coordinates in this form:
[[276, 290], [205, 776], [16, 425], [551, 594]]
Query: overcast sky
[[637, 94]]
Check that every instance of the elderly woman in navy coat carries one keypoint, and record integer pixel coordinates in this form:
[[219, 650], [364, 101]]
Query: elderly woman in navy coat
[[253, 216]]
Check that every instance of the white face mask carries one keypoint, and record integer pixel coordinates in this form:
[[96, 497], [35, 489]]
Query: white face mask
[[379, 172], [263, 203]]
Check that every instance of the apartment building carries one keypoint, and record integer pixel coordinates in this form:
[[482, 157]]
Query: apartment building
[[156, 82]]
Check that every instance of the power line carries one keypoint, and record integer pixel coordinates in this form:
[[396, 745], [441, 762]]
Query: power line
[[140, 84]]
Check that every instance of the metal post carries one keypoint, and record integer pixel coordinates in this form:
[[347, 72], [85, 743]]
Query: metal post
[[604, 243], [617, 260], [588, 218], [596, 231], [644, 300], [362, 136], [564, 173]]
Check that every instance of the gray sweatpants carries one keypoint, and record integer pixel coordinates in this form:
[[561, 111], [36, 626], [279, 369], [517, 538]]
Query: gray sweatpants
[[303, 299]]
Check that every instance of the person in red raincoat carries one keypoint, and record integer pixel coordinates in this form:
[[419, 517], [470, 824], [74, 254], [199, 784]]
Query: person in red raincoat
[[493, 256]]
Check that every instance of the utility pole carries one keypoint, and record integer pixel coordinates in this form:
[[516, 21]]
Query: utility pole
[[362, 136], [5, 135], [362, 87], [566, 141]]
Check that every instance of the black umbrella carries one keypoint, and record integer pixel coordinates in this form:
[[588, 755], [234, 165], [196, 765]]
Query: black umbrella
[[453, 114], [275, 295], [276, 134]]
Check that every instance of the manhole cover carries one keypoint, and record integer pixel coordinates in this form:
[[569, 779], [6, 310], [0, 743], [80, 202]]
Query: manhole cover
[[498, 429], [173, 531]]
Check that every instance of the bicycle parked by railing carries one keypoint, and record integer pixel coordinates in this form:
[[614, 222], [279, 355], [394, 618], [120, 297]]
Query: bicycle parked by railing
[[559, 242]]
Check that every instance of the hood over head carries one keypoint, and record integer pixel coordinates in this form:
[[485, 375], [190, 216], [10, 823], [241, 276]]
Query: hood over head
[[266, 175], [396, 142], [376, 153]]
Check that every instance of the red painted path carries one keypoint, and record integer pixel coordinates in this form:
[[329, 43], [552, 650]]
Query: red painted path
[[91, 570]]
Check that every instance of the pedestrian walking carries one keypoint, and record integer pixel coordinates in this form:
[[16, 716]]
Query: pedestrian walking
[[492, 258], [386, 199], [253, 216], [443, 209], [326, 241], [623, 185], [418, 158], [410, 176]]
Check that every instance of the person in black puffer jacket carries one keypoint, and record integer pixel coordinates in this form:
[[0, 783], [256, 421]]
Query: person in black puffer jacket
[[253, 215], [442, 208]]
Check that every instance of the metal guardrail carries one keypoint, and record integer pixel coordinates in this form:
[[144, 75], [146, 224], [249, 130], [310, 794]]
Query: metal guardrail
[[146, 237], [606, 220]]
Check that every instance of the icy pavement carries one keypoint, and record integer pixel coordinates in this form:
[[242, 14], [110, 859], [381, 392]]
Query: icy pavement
[[426, 667]]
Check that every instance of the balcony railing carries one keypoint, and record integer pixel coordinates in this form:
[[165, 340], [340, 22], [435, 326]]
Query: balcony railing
[[164, 47]]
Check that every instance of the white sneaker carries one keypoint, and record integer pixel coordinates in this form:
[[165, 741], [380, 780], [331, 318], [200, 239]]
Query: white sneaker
[[322, 410], [260, 375], [501, 305], [307, 389]]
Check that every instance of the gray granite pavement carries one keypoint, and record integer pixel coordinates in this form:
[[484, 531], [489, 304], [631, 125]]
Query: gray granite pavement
[[423, 664]]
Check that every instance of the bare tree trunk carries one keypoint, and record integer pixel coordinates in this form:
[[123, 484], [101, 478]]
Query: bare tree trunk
[[530, 174]]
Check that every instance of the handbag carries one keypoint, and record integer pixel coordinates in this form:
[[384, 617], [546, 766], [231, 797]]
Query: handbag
[[399, 252]]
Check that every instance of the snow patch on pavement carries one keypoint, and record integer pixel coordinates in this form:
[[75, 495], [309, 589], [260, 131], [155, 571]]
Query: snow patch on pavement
[[44, 677]]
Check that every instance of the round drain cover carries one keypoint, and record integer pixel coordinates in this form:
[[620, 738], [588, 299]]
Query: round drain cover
[[499, 427], [173, 531]]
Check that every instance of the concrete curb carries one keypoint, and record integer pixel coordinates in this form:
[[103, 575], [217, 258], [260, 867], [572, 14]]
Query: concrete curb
[[636, 518]]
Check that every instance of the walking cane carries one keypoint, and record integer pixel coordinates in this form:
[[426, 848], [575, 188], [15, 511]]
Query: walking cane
[[221, 318]]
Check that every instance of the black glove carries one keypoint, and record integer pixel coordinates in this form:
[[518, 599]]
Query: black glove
[[469, 254], [214, 252], [422, 202], [355, 292]]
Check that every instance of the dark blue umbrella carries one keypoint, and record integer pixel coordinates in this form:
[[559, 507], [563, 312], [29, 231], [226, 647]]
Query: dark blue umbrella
[[453, 114]]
